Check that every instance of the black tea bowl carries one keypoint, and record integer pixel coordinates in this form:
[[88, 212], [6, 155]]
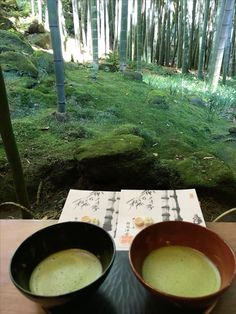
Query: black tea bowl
[[56, 238]]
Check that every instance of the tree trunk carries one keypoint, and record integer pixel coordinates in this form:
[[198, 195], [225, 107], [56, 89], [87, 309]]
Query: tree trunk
[[11, 149], [168, 31], [94, 37], [57, 53], [175, 35], [226, 59], [139, 35], [202, 40], [76, 22], [101, 27], [219, 44], [233, 63], [40, 14], [84, 26], [62, 28], [32, 9], [192, 31], [185, 65], [116, 25], [107, 29], [180, 35], [153, 36], [123, 34]]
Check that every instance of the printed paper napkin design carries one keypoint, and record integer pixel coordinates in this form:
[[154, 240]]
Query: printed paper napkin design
[[97, 207], [140, 208], [123, 214]]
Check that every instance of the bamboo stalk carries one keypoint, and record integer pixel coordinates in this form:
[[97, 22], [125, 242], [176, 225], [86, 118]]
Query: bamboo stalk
[[11, 149]]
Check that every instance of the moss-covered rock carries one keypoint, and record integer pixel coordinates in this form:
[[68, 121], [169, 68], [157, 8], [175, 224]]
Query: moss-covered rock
[[133, 75], [126, 129], [43, 61], [156, 96], [41, 40], [19, 63], [202, 169], [110, 146], [12, 42], [120, 161], [35, 28]]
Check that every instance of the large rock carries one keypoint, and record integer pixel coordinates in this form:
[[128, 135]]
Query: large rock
[[43, 61], [110, 146], [203, 170], [35, 28], [41, 40], [120, 161], [11, 42], [19, 63]]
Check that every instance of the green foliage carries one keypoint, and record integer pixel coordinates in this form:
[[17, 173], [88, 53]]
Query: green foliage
[[68, 12], [218, 104], [8, 7], [113, 58]]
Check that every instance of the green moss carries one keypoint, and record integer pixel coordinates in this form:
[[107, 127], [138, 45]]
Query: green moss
[[16, 61], [41, 40], [110, 146], [156, 94], [14, 42], [112, 124], [25, 101], [43, 61], [125, 129], [202, 169]]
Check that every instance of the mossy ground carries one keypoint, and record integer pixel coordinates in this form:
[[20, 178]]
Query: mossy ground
[[156, 115]]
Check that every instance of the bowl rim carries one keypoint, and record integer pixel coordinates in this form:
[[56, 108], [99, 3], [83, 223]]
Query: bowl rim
[[173, 296], [50, 297]]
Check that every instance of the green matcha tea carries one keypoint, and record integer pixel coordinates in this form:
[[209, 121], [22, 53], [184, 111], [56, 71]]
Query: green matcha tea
[[181, 271], [64, 272]]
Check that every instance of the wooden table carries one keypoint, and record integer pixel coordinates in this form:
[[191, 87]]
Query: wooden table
[[13, 232]]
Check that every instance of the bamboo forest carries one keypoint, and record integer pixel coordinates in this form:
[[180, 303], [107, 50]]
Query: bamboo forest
[[116, 94]]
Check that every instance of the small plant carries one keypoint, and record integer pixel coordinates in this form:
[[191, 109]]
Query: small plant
[[113, 58], [217, 104], [173, 89]]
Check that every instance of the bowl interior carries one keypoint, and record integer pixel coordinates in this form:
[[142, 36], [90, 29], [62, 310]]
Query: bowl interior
[[56, 238], [183, 234]]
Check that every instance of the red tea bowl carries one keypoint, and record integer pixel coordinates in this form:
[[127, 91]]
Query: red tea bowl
[[186, 234]]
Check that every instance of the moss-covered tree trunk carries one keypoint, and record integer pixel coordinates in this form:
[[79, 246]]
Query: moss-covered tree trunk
[[11, 149]]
